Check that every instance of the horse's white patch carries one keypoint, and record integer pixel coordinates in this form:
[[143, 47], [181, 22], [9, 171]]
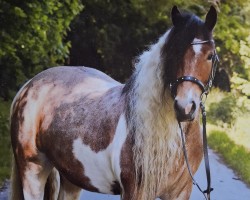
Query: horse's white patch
[[89, 86], [31, 113], [103, 167], [187, 98], [96, 165], [197, 47], [116, 146]]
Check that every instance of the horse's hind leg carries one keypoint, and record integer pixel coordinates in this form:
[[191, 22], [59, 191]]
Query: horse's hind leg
[[68, 191], [34, 173], [52, 186]]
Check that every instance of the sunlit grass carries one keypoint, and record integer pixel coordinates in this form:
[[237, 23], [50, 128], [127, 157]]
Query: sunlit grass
[[240, 132], [236, 156], [239, 128], [229, 131]]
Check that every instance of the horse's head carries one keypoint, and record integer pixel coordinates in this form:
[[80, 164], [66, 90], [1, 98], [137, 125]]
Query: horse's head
[[189, 61]]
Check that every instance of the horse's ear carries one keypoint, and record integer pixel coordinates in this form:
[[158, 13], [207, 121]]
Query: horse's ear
[[211, 18], [175, 15]]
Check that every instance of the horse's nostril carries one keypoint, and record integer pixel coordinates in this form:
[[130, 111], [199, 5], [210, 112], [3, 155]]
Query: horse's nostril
[[184, 111], [193, 108], [177, 107]]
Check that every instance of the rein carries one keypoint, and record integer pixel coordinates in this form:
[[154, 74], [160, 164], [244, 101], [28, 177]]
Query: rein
[[206, 192], [205, 90]]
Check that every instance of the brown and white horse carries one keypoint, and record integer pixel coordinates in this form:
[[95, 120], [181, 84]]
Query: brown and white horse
[[76, 128]]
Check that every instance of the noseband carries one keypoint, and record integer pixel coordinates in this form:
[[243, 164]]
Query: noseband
[[204, 88]]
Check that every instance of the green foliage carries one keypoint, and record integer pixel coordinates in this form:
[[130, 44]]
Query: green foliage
[[32, 37], [108, 34], [234, 155], [239, 132], [5, 160], [233, 39], [224, 111]]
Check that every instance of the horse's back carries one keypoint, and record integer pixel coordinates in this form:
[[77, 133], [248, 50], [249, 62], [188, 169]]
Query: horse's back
[[62, 111], [71, 77], [46, 92]]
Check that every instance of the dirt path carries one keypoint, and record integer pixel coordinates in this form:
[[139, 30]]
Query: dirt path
[[226, 184]]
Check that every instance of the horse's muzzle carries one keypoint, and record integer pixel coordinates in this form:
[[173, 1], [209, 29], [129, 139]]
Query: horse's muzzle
[[184, 111]]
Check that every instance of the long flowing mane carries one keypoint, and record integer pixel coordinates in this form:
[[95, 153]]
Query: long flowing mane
[[150, 115]]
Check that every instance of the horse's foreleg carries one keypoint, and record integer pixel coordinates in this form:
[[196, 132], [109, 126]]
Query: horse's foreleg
[[129, 191], [68, 191], [183, 195]]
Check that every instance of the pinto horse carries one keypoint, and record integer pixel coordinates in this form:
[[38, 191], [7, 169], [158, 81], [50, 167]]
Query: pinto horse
[[76, 128]]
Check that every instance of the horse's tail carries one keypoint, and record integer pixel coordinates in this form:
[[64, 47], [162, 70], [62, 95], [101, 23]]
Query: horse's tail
[[16, 190], [52, 186]]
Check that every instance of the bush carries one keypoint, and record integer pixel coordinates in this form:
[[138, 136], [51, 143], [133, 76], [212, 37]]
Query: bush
[[224, 111], [5, 158]]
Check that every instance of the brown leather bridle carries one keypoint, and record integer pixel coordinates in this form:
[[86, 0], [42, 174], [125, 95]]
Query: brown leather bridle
[[205, 88]]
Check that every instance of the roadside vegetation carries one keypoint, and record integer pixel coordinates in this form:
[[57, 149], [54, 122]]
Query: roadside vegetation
[[235, 156], [228, 130], [5, 147]]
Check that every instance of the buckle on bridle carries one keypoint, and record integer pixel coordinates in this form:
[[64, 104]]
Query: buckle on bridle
[[204, 97]]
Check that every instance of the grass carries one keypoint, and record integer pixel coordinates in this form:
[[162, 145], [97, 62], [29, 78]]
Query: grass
[[236, 156], [5, 146], [230, 114], [239, 132], [228, 129]]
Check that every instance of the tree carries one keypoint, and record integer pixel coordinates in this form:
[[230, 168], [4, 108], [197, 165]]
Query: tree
[[109, 34], [32, 38]]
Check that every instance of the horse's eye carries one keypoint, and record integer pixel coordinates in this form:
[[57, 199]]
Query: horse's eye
[[210, 56]]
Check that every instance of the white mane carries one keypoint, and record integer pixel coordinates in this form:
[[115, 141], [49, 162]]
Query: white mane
[[157, 135]]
